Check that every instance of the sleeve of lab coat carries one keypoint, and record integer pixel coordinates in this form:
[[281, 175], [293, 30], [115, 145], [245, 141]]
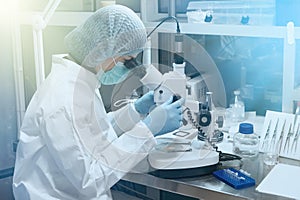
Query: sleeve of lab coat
[[124, 119], [94, 174]]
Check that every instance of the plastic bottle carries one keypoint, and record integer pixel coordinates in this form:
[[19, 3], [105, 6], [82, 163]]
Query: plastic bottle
[[237, 108], [246, 142]]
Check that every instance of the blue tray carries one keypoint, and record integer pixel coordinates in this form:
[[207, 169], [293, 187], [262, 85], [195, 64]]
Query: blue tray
[[234, 178]]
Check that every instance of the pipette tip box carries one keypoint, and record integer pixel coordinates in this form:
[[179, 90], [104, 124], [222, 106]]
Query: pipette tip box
[[234, 178]]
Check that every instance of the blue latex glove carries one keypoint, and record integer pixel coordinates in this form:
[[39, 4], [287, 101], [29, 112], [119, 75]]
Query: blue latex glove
[[146, 103], [165, 118]]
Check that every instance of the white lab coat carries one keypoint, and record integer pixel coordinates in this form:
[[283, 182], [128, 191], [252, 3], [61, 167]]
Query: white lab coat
[[70, 148]]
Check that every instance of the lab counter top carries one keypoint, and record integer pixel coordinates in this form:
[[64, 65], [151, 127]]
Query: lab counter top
[[209, 187]]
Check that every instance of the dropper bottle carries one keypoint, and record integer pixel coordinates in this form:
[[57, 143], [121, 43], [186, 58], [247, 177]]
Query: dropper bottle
[[237, 107]]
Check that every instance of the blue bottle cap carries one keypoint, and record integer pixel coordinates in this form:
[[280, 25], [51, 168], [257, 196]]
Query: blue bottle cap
[[246, 128]]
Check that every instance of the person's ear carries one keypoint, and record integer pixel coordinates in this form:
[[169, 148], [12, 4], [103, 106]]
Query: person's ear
[[108, 64]]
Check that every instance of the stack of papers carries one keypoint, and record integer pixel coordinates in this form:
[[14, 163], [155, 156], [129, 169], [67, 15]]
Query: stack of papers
[[283, 180]]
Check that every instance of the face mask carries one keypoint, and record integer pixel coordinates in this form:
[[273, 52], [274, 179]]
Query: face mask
[[99, 74], [114, 76]]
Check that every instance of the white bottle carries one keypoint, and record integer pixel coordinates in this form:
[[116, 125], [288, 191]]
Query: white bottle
[[237, 108]]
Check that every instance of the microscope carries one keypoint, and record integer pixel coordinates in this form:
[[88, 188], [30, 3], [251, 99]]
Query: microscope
[[189, 151]]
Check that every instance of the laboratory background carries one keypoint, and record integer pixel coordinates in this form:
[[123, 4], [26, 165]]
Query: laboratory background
[[241, 56]]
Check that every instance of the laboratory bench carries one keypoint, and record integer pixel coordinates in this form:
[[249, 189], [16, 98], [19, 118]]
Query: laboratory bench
[[208, 186]]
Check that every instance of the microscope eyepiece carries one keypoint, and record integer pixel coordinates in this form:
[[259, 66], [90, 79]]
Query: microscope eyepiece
[[176, 97]]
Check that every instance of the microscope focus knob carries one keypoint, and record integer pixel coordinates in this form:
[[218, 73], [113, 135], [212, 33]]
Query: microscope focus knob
[[204, 118]]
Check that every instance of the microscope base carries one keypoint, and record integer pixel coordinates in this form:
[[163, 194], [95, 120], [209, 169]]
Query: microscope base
[[183, 164], [184, 173]]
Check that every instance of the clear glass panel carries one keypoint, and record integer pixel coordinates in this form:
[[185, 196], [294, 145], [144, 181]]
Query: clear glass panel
[[252, 65], [8, 122], [53, 37]]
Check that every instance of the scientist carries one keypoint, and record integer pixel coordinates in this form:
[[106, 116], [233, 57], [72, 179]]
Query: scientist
[[70, 148]]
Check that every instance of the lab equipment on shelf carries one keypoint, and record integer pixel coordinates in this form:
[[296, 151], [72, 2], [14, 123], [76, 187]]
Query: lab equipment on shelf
[[246, 142], [237, 108], [232, 12]]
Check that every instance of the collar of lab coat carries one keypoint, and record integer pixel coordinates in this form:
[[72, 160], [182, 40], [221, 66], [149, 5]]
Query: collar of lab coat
[[73, 68]]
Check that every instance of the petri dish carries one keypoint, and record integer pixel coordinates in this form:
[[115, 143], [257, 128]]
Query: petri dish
[[173, 145]]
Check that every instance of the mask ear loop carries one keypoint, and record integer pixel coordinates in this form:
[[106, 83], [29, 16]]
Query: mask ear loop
[[121, 102], [114, 60]]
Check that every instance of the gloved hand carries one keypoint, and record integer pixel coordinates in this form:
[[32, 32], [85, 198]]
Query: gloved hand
[[165, 118], [144, 104]]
